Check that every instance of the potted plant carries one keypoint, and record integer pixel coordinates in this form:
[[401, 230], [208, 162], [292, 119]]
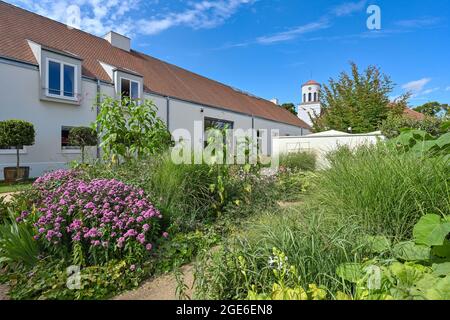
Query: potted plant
[[83, 137], [16, 134]]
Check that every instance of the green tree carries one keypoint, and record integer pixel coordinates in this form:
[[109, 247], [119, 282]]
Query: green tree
[[83, 137], [16, 133], [130, 128], [433, 109], [357, 100], [290, 107]]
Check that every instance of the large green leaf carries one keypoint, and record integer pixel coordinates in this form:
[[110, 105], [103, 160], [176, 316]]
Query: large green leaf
[[442, 251], [351, 272], [377, 244], [441, 269], [444, 141], [409, 251], [431, 230]]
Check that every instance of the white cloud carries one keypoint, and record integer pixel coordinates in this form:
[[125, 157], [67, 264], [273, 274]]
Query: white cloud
[[348, 8], [291, 34], [417, 85], [324, 22], [447, 89], [419, 23], [428, 91], [201, 15], [100, 16]]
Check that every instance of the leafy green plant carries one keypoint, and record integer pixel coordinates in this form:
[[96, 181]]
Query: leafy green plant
[[83, 137], [130, 128], [16, 133], [284, 273], [421, 142], [48, 279], [420, 268], [17, 245]]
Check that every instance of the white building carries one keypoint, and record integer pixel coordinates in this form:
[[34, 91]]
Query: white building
[[50, 75], [310, 106]]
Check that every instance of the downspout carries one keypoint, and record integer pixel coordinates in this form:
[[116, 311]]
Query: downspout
[[98, 111], [168, 113]]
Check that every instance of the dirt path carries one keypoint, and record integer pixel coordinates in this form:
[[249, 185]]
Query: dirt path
[[4, 292], [161, 288]]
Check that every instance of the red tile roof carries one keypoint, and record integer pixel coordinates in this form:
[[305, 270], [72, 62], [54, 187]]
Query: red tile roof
[[18, 25], [413, 114], [311, 83]]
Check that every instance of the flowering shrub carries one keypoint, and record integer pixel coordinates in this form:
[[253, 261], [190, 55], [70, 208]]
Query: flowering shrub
[[99, 220]]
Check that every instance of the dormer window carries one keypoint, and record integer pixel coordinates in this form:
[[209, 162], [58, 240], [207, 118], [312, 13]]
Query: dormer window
[[61, 79], [130, 88]]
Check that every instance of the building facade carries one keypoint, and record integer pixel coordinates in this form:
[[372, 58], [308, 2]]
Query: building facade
[[51, 76]]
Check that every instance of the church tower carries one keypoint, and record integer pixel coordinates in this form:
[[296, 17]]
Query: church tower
[[310, 106]]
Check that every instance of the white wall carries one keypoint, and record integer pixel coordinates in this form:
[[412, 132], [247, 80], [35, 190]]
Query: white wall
[[322, 144], [20, 91]]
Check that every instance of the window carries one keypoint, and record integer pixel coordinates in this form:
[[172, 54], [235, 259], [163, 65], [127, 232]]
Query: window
[[129, 88], [65, 144], [309, 97], [211, 123], [61, 81], [315, 96], [304, 97]]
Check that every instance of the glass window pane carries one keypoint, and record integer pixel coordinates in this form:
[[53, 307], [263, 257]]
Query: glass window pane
[[54, 78], [69, 81], [134, 90], [125, 88]]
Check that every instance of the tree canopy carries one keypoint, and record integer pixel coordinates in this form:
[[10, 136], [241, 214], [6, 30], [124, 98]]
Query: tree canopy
[[359, 100], [290, 107], [433, 109]]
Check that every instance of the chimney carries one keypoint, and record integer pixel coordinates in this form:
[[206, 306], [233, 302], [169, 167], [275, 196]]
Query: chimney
[[118, 41], [275, 101]]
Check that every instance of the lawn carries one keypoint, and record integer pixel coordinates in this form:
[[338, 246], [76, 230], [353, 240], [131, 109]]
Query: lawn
[[7, 188]]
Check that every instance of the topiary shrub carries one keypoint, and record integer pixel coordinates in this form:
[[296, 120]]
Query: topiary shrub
[[16, 133], [83, 137]]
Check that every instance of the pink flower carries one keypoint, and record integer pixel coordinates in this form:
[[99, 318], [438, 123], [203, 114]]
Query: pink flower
[[165, 235]]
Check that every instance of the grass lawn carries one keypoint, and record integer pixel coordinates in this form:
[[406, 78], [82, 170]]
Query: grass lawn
[[15, 187]]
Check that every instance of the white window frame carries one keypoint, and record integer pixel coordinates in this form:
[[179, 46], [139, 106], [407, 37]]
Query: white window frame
[[69, 149], [120, 86], [75, 78], [13, 151]]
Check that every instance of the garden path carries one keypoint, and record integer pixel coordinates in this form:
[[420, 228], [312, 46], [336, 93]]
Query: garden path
[[161, 288], [4, 292]]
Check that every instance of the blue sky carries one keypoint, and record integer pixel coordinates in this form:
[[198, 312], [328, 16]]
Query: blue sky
[[271, 47]]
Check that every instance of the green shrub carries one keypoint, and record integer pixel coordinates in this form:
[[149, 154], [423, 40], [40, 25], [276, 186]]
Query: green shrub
[[130, 128], [305, 161], [16, 133], [385, 191], [394, 124], [83, 137]]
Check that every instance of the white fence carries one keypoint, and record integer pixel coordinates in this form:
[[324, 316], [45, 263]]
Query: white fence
[[322, 143]]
